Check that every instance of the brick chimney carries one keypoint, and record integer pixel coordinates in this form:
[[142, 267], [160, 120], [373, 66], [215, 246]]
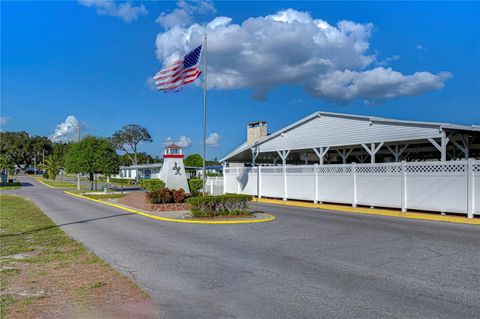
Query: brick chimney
[[256, 131]]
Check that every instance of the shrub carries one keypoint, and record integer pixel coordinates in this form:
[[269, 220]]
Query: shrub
[[179, 195], [224, 205], [195, 185], [160, 196], [151, 185]]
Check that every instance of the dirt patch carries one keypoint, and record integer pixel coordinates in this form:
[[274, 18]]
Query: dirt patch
[[46, 274], [85, 289]]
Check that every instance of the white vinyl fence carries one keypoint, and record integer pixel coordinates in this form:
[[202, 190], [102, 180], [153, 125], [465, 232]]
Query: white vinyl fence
[[214, 185], [451, 186]]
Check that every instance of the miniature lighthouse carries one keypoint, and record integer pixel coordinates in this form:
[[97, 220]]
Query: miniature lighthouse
[[173, 171]]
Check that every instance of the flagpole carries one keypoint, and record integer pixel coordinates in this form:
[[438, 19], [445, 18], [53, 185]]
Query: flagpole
[[204, 110]]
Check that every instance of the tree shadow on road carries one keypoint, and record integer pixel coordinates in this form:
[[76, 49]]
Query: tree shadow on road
[[65, 224]]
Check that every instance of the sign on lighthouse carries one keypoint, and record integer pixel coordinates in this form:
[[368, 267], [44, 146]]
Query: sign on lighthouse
[[173, 171]]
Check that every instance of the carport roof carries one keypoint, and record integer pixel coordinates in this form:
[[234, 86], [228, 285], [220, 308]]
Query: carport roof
[[373, 119]]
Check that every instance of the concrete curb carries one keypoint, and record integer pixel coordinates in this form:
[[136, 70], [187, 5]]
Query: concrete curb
[[165, 219], [372, 211]]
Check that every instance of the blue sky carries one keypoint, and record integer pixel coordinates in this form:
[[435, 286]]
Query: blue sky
[[92, 60]]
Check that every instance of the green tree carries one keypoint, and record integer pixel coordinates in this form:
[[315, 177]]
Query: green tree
[[61, 149], [40, 147], [143, 158], [15, 147], [127, 139], [5, 164], [193, 160], [92, 155], [53, 164], [20, 148]]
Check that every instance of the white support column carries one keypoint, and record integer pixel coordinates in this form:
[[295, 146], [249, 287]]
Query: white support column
[[254, 155], [305, 158], [321, 152], [354, 174], [465, 147], [444, 141], [470, 188], [344, 154], [315, 170], [211, 185], [372, 150], [442, 147], [398, 151], [403, 187]]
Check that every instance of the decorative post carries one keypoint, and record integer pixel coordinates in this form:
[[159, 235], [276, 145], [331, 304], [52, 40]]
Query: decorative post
[[315, 172], [403, 191], [259, 181], [238, 180], [470, 188], [354, 173], [224, 180]]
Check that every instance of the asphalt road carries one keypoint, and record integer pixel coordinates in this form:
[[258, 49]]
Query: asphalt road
[[306, 264]]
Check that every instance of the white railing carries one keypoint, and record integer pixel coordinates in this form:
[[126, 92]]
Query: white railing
[[450, 186], [214, 185]]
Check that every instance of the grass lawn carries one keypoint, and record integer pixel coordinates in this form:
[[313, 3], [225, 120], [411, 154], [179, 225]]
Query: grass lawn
[[46, 274], [56, 183], [8, 186]]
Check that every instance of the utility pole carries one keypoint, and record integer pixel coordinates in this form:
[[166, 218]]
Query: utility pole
[[204, 110]]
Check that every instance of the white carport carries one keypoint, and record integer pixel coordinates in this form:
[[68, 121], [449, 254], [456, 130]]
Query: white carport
[[333, 138]]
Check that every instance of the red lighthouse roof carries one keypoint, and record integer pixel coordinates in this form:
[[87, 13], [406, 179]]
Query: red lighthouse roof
[[173, 151]]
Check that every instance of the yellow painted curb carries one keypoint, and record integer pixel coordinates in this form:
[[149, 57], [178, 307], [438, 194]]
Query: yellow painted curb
[[372, 211], [166, 219]]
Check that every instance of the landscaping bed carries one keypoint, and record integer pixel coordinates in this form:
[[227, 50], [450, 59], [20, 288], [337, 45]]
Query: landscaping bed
[[46, 274], [138, 200]]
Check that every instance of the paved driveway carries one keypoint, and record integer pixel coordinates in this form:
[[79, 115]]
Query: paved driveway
[[306, 264]]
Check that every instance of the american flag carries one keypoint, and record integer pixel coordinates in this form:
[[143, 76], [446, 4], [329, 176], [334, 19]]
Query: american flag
[[180, 72]]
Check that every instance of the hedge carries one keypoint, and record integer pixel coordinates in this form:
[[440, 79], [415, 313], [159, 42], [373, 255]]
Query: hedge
[[151, 185], [166, 196], [195, 185], [224, 205]]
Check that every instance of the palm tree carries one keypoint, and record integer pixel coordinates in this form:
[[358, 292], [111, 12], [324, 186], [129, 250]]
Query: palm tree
[[52, 165]]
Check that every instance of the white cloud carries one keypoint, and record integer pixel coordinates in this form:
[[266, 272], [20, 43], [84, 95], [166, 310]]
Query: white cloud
[[125, 10], [66, 131], [213, 140], [150, 82], [293, 48], [420, 47], [4, 120], [183, 14], [183, 141], [376, 85], [389, 59]]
